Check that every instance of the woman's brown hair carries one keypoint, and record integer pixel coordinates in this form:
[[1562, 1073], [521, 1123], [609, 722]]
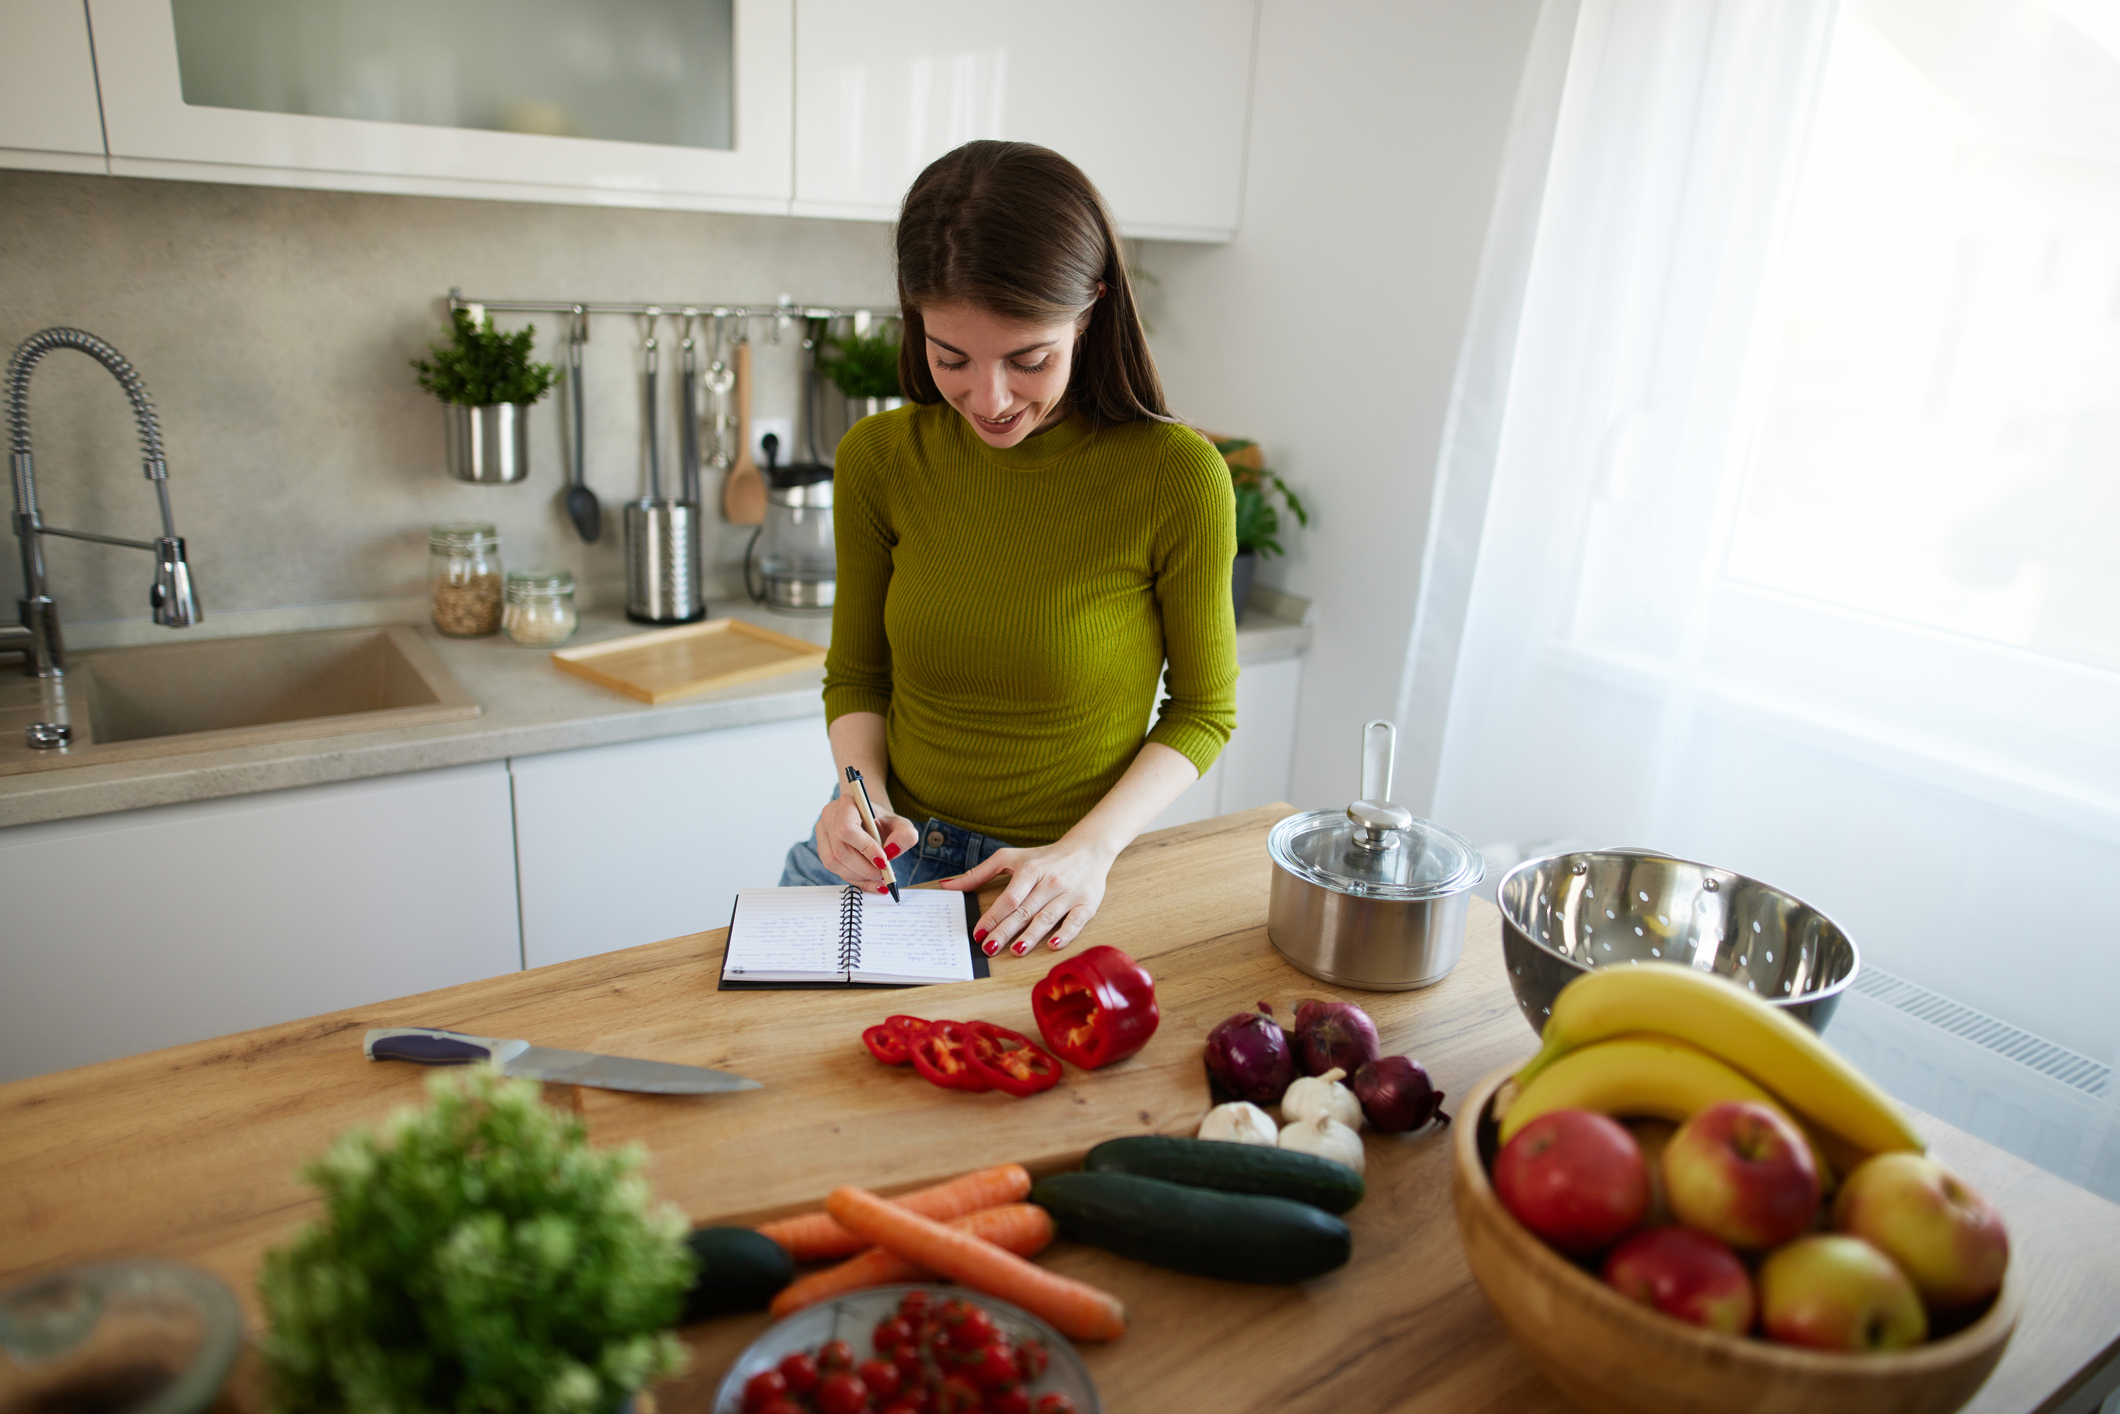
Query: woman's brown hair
[[1019, 231]]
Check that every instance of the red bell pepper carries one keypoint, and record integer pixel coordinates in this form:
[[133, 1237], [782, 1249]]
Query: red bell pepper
[[1096, 1007], [1009, 1061], [943, 1056], [892, 1041]]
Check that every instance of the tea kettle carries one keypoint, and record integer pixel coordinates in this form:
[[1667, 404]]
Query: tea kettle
[[791, 564]]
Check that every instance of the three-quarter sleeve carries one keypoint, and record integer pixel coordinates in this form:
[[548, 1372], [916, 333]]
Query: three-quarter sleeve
[[857, 667], [1194, 542]]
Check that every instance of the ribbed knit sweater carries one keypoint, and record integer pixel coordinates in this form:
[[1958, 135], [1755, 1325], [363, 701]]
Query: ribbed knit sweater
[[1008, 612]]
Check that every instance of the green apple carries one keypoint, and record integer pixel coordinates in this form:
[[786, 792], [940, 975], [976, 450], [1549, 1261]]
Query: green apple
[[1943, 1235], [1834, 1292]]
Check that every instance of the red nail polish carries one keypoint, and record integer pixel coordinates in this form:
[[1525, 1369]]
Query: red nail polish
[[992, 948], [883, 888], [881, 862], [979, 935], [1023, 948], [890, 851]]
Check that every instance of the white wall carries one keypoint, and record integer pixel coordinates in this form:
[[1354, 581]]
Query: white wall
[[1330, 329]]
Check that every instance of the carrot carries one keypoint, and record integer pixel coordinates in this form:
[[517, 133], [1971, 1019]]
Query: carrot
[[1075, 1308], [1022, 1228], [815, 1237]]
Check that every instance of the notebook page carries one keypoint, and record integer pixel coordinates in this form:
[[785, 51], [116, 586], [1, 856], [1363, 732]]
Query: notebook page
[[783, 935], [923, 939]]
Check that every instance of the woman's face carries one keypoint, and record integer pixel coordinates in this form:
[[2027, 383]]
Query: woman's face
[[1007, 379]]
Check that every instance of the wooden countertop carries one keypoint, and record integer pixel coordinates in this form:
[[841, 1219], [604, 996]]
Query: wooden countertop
[[190, 1153]]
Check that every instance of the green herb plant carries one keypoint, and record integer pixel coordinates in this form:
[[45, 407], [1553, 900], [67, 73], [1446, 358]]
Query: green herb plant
[[481, 366], [476, 1257], [1258, 520], [863, 365]]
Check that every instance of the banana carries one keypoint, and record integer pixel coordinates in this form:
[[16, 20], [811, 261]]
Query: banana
[[1771, 1048], [1641, 1075]]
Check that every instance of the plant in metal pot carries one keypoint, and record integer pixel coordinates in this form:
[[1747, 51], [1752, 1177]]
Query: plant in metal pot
[[863, 365], [482, 367], [1258, 518], [475, 1256]]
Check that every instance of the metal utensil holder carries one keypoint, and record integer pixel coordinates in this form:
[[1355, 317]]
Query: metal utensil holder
[[662, 562]]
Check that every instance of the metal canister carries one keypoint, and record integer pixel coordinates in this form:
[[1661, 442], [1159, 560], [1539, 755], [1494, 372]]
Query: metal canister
[[662, 562]]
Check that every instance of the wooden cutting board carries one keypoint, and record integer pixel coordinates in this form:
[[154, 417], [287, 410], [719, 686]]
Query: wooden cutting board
[[670, 663]]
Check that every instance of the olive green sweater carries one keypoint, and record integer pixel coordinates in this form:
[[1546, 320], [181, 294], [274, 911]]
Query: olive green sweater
[[1007, 612]]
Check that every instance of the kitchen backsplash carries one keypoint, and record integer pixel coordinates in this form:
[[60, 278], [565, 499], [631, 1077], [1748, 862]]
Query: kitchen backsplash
[[273, 329]]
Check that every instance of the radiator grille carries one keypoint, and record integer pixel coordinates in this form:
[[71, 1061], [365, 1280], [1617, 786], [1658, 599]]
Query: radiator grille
[[2071, 1068]]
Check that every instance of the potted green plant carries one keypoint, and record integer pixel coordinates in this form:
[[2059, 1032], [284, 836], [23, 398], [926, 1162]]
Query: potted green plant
[[487, 383], [1258, 519], [475, 1256], [864, 367]]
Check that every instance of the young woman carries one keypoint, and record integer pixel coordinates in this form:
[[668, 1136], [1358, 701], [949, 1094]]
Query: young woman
[[1021, 548]]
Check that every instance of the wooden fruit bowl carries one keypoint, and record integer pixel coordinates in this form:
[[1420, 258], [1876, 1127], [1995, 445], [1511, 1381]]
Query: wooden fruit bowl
[[1616, 1357]]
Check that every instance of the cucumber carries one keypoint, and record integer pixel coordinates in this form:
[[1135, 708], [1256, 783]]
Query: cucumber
[[1232, 1168], [739, 1270], [1234, 1236]]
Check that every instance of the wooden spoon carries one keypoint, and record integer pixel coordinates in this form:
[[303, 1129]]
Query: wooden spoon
[[743, 495]]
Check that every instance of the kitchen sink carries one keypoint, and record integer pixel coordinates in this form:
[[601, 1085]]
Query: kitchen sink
[[211, 694]]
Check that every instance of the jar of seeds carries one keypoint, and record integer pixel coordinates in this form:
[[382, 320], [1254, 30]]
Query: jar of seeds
[[464, 573], [540, 608]]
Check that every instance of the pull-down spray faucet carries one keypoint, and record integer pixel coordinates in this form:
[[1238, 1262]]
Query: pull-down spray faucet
[[171, 597]]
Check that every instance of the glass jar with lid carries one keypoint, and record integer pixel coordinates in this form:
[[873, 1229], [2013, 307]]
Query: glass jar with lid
[[464, 575], [540, 609]]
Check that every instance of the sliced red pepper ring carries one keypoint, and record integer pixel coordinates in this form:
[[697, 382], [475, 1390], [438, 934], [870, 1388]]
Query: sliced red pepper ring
[[943, 1056], [1096, 1007], [1010, 1061], [888, 1044]]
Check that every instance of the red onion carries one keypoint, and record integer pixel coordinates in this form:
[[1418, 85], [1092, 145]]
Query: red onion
[[1249, 1055], [1332, 1034], [1397, 1095]]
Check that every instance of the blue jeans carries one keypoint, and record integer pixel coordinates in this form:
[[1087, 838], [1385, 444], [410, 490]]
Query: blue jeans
[[943, 850]]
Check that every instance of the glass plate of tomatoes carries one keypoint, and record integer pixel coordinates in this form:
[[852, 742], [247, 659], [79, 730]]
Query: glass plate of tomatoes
[[968, 1353]]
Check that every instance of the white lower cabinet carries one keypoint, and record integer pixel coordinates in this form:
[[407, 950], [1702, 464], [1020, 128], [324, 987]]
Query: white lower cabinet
[[147, 928], [1253, 769], [623, 845]]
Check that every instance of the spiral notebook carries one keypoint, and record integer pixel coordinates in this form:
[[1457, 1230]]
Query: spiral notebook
[[839, 936]]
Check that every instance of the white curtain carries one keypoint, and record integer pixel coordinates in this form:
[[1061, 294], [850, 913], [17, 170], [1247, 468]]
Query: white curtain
[[1796, 497]]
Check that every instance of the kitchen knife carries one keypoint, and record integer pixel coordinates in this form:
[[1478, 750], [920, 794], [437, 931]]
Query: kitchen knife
[[524, 1061]]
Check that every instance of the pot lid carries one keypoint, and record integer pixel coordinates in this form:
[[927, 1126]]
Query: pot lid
[[1380, 852]]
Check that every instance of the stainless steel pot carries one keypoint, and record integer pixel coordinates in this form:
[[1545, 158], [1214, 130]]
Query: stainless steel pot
[[1370, 897]]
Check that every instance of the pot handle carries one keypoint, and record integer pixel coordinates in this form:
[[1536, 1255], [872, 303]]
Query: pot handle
[[1379, 745]]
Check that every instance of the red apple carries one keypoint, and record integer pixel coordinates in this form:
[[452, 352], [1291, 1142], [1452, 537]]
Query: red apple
[[1686, 1274], [1833, 1292], [1741, 1171], [1943, 1235], [1574, 1177]]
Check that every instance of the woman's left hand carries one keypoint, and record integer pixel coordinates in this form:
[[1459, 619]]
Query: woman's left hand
[[1053, 893]]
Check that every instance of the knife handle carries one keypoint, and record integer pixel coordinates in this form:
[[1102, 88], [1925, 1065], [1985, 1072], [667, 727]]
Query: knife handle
[[425, 1047]]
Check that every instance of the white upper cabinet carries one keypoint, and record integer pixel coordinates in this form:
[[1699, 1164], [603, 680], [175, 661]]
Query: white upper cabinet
[[678, 103], [48, 115], [1150, 100]]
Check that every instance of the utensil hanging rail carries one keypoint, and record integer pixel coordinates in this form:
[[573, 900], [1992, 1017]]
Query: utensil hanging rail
[[583, 308]]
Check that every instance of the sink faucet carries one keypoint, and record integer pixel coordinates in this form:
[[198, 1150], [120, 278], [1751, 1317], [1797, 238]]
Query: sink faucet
[[37, 638]]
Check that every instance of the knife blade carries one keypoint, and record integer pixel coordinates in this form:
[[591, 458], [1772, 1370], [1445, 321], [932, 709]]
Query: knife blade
[[521, 1060]]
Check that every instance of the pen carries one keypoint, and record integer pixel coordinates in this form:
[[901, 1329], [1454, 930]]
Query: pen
[[868, 817]]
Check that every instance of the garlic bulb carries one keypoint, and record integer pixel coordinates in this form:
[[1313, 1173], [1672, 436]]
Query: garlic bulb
[[1326, 1137], [1314, 1094], [1239, 1122]]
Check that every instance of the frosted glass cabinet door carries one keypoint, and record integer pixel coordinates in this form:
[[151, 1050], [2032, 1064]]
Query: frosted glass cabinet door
[[679, 103], [881, 90], [48, 117]]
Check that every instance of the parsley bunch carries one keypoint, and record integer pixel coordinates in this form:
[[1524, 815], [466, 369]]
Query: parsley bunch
[[481, 366], [477, 1257]]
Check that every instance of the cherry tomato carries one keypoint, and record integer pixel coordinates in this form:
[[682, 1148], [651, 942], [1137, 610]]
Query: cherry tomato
[[959, 1396], [1008, 1399], [762, 1389], [968, 1326], [837, 1357], [920, 1397], [842, 1393], [914, 1305], [992, 1364], [900, 1406], [910, 1364], [783, 1405], [1054, 1404], [881, 1376], [1031, 1360], [892, 1333], [800, 1371]]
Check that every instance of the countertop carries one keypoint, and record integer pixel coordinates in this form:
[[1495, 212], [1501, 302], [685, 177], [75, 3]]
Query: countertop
[[190, 1153], [527, 707]]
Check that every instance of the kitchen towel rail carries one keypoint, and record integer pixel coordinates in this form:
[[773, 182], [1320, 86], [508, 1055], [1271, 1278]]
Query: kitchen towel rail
[[786, 310]]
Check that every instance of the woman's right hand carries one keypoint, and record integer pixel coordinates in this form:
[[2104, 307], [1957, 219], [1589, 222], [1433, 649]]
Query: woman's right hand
[[847, 848]]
